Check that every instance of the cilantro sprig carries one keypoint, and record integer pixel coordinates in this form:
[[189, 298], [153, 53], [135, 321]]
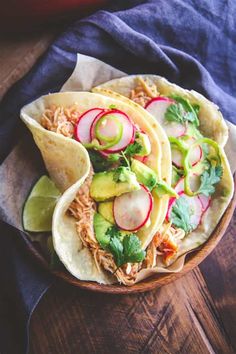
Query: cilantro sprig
[[182, 111], [133, 149], [99, 163], [121, 174], [126, 248], [124, 156], [181, 214], [209, 178]]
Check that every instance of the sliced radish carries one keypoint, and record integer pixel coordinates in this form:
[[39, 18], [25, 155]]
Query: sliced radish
[[128, 130], [175, 129], [82, 129], [194, 182], [157, 107], [195, 207], [179, 188], [205, 201], [171, 202], [132, 210], [195, 156], [142, 159], [196, 153], [180, 185]]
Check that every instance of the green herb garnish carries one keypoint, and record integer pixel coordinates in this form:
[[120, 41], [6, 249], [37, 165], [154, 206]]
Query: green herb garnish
[[133, 149], [117, 250], [113, 231], [121, 174], [132, 249], [99, 163], [182, 111], [126, 250], [208, 180], [181, 214]]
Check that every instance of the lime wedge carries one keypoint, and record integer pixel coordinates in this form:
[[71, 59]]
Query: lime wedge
[[39, 207]]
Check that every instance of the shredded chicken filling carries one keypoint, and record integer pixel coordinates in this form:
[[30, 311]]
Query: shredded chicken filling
[[164, 244], [143, 92], [62, 121]]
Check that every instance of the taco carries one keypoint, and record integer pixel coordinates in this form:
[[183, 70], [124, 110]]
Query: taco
[[201, 174], [113, 165]]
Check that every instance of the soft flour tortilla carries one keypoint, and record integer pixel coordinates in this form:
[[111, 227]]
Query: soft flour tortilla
[[68, 164], [212, 125]]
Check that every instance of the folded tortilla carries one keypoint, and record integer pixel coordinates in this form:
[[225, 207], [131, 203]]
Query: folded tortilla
[[212, 125], [68, 165]]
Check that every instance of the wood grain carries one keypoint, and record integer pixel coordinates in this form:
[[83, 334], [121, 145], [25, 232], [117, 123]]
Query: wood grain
[[17, 56], [193, 315]]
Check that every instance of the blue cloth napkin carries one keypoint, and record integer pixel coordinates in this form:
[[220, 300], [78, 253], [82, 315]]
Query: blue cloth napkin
[[191, 43]]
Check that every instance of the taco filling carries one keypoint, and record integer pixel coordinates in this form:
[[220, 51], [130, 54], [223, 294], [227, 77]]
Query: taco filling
[[198, 162], [143, 182], [116, 200]]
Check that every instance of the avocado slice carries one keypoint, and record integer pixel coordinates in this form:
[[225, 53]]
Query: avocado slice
[[163, 188], [106, 210], [101, 226], [144, 141], [144, 174], [110, 184]]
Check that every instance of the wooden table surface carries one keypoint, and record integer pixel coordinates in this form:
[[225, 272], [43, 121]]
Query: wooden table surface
[[195, 314]]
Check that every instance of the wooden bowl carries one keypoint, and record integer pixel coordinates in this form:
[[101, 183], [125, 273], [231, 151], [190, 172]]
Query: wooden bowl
[[155, 281]]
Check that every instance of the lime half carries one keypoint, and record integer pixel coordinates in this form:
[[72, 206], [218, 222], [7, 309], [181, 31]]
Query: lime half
[[39, 207]]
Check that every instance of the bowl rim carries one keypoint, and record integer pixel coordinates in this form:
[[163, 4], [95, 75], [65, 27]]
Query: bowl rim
[[155, 281]]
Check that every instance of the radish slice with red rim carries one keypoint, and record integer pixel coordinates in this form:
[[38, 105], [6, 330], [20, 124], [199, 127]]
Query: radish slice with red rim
[[142, 159], [175, 129], [82, 128], [196, 153], [171, 202], [179, 185], [205, 201], [128, 134], [157, 107], [131, 210]]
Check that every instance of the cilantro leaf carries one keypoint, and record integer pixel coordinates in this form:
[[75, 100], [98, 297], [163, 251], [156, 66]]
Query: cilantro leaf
[[182, 111], [174, 113], [209, 178], [181, 214], [116, 248], [124, 250], [113, 231], [112, 106], [99, 163], [133, 149], [113, 157], [121, 174], [132, 249]]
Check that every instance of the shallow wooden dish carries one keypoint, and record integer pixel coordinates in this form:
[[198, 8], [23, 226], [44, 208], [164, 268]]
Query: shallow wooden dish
[[155, 281]]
